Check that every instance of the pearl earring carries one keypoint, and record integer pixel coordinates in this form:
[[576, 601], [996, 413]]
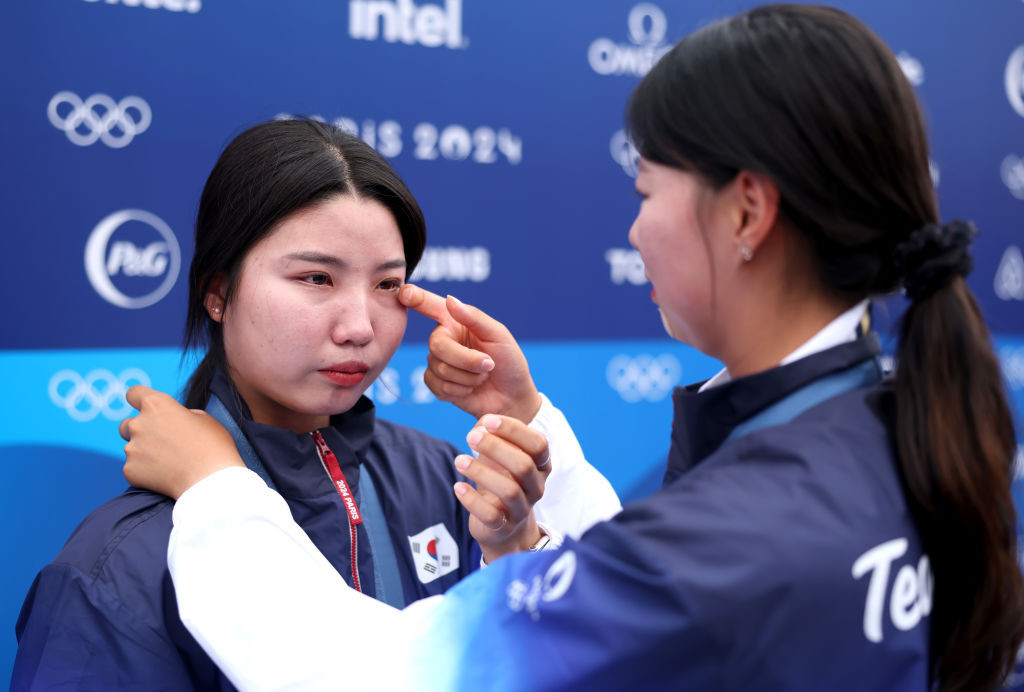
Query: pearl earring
[[746, 253], [217, 310]]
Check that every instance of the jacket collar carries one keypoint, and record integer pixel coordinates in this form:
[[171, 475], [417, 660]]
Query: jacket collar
[[703, 420], [291, 458]]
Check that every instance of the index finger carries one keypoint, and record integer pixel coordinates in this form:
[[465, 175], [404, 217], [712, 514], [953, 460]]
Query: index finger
[[425, 303]]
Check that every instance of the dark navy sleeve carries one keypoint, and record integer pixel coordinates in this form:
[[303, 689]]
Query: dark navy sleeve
[[72, 634], [104, 615]]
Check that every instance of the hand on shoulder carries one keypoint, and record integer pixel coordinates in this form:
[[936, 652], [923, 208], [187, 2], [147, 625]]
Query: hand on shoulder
[[170, 448]]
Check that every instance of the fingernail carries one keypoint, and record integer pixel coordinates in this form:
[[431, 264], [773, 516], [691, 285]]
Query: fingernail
[[460, 489], [462, 462], [474, 437], [455, 299], [487, 365], [491, 423]]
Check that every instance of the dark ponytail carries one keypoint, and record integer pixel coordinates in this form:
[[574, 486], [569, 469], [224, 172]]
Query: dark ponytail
[[265, 174], [956, 444], [812, 98]]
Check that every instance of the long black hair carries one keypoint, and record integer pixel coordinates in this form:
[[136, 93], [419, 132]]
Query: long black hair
[[265, 174], [813, 99]]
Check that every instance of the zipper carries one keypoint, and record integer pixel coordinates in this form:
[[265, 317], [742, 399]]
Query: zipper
[[337, 476]]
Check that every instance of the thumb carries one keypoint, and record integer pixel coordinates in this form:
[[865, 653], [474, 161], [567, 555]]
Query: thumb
[[139, 393], [482, 325]]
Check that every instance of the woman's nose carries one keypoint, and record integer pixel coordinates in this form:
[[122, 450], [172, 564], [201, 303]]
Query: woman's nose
[[353, 322]]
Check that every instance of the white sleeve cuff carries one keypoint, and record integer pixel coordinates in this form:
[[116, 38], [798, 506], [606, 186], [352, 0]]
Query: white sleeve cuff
[[576, 495]]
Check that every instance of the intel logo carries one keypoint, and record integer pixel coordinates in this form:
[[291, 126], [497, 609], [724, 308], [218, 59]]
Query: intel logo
[[132, 259], [403, 21]]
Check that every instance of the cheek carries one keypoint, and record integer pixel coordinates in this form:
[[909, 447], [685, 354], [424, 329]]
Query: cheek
[[261, 324], [390, 327], [653, 232]]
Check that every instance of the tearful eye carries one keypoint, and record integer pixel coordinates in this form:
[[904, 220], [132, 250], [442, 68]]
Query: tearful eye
[[391, 284], [317, 279]]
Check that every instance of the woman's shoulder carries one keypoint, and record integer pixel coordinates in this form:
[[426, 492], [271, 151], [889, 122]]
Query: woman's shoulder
[[818, 490], [841, 449], [133, 527]]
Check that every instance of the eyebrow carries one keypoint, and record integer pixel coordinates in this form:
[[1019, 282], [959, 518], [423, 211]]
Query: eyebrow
[[331, 260]]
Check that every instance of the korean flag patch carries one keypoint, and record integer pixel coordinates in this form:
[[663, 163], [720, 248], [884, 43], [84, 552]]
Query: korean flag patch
[[435, 553]]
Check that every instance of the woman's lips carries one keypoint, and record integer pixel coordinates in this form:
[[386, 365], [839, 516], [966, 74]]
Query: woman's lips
[[348, 374]]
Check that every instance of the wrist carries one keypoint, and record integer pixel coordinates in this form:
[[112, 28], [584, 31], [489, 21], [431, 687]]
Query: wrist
[[526, 410], [529, 538]]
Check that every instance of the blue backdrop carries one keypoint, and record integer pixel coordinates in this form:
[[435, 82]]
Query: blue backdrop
[[505, 119]]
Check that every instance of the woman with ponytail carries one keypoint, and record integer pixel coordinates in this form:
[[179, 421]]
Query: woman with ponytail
[[822, 526]]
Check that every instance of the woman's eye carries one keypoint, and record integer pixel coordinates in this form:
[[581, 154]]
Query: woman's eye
[[391, 284], [317, 279]]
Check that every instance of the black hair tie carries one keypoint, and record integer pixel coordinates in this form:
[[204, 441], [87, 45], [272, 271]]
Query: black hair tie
[[933, 255]]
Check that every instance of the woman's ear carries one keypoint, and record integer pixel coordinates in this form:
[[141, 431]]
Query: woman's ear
[[757, 198], [214, 301]]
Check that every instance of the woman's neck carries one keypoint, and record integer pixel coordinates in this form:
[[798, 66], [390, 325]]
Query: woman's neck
[[767, 334]]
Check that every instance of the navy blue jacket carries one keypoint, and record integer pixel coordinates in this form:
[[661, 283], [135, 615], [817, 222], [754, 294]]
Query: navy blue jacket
[[782, 559], [103, 615]]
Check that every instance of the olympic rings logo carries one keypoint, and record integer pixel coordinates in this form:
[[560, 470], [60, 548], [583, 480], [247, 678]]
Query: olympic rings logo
[[99, 118], [643, 377], [101, 391]]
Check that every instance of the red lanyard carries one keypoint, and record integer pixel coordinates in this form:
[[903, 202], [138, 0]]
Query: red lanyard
[[333, 468]]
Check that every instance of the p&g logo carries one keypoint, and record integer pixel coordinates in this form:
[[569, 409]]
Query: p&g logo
[[145, 251]]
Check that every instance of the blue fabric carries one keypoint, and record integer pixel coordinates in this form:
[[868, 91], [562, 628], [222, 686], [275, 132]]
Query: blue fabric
[[789, 407], [703, 420], [216, 409], [103, 614], [786, 559], [387, 578]]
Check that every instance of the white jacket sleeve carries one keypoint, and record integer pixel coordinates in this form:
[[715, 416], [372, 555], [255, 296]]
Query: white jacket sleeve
[[295, 624], [576, 495]]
